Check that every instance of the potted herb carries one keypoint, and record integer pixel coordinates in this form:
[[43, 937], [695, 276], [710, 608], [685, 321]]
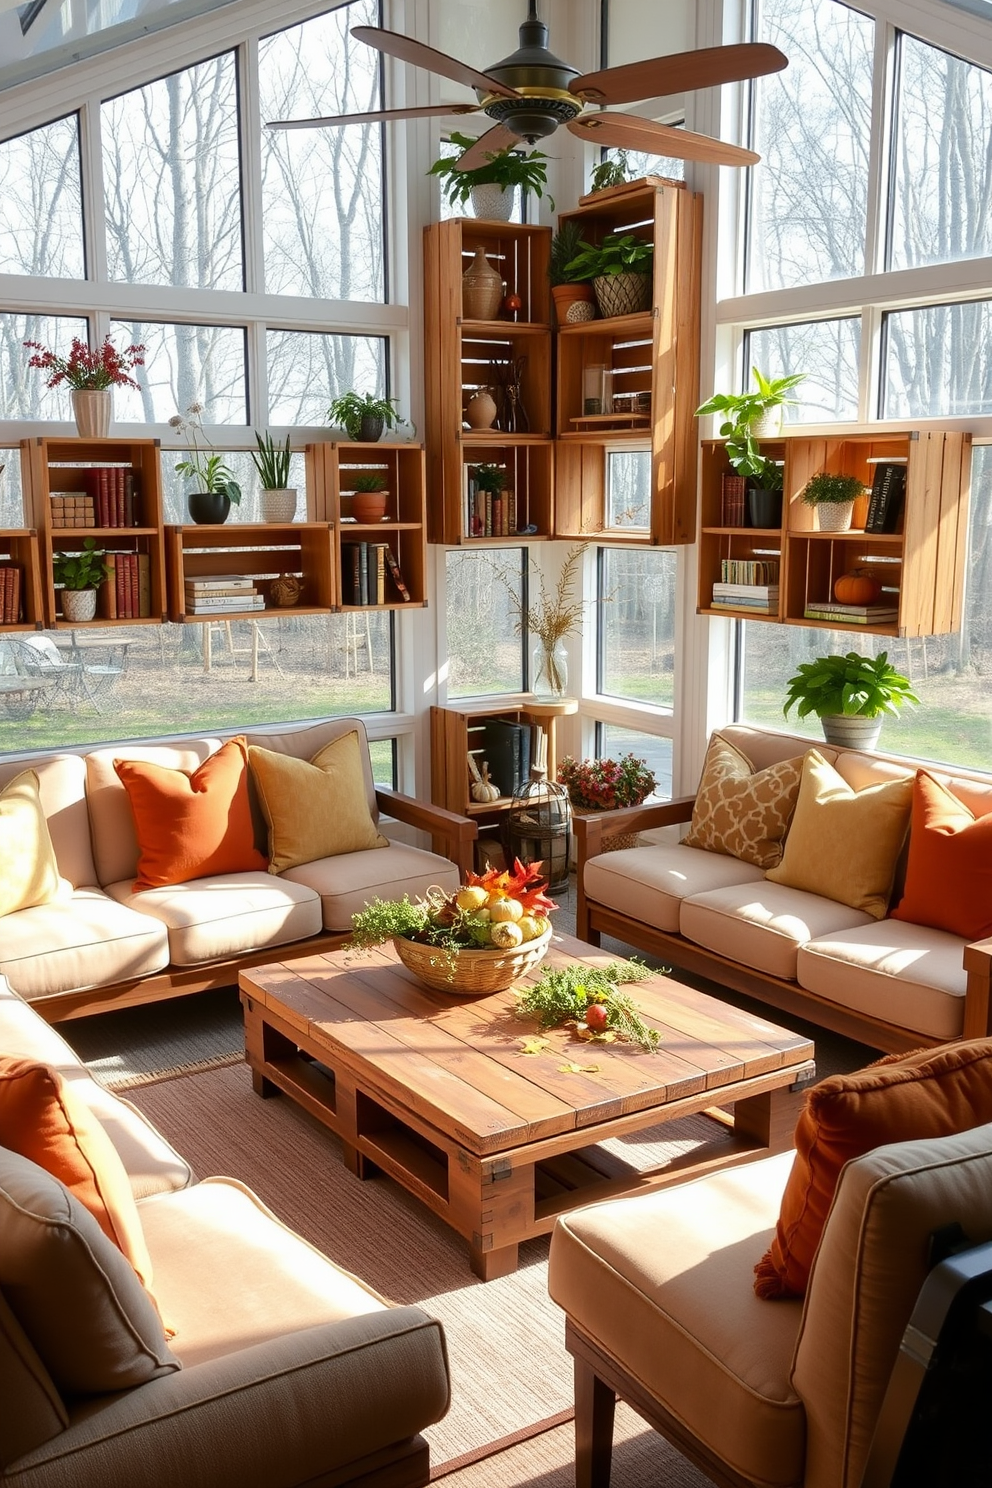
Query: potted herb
[[850, 695], [571, 290], [80, 574], [369, 496], [91, 375], [833, 498], [490, 187], [272, 463], [217, 490], [620, 269], [364, 416]]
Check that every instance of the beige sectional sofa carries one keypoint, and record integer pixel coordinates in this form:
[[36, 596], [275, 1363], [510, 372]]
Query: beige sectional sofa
[[99, 944], [893, 984], [293, 1371]]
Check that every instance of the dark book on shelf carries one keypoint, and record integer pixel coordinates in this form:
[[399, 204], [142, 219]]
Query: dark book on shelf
[[506, 746], [888, 494], [351, 565]]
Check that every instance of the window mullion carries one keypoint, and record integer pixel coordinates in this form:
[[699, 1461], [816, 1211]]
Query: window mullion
[[251, 165], [91, 167], [879, 152]]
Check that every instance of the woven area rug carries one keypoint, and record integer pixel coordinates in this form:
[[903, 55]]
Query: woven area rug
[[509, 1367]]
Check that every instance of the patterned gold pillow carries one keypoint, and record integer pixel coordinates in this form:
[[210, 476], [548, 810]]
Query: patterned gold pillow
[[741, 812]]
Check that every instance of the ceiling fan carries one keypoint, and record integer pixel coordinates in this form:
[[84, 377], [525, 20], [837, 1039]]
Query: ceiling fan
[[530, 93]]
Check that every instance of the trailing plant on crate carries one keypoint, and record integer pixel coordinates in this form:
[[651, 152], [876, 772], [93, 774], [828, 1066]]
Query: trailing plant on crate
[[503, 168], [848, 686], [272, 463], [741, 412]]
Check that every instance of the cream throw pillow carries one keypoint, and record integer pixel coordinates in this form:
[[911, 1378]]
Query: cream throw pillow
[[315, 810], [741, 812], [844, 844], [29, 873]]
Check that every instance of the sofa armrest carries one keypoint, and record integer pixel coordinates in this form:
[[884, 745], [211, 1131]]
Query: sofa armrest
[[593, 830], [280, 1413], [977, 1021], [456, 833]]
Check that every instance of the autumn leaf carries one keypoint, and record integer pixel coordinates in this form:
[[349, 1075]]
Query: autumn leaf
[[579, 1069], [533, 1045]]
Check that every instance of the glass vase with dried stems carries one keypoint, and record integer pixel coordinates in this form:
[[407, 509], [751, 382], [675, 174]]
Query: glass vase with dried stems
[[548, 619]]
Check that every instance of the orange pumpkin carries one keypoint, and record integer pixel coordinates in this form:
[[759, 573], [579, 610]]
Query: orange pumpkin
[[858, 587]]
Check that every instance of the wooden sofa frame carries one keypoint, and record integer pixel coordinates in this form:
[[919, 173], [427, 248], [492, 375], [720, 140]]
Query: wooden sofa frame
[[592, 920], [454, 835]]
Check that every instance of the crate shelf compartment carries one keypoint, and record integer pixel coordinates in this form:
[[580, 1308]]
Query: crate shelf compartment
[[263, 552], [497, 358], [524, 508], [19, 552], [520, 254]]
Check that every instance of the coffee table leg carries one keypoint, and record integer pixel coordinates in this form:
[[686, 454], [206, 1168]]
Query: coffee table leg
[[770, 1118], [489, 1265]]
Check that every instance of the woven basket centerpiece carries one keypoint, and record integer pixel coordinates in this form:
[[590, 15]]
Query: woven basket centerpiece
[[468, 972]]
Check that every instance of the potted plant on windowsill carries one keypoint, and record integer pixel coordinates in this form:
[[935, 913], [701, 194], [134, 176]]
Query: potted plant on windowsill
[[832, 498], [850, 695], [746, 418], [620, 269], [490, 187], [364, 416], [217, 490], [571, 291], [80, 574], [272, 463], [91, 375]]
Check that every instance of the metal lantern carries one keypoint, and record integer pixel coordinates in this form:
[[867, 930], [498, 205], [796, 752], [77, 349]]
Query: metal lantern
[[539, 827]]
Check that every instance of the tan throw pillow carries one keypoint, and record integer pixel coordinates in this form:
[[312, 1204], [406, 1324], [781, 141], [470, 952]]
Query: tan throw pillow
[[315, 810], [844, 844], [741, 812], [29, 873]]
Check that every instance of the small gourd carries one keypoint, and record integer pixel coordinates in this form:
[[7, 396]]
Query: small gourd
[[483, 789], [858, 587]]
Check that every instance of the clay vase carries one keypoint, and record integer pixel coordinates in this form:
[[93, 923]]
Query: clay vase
[[482, 289], [480, 412], [369, 506]]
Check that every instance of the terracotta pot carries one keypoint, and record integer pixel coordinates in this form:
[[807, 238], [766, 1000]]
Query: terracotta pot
[[91, 408], [574, 303], [369, 506]]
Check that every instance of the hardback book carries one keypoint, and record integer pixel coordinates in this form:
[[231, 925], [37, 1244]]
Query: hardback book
[[888, 494], [396, 575], [203, 582], [226, 606], [506, 747], [144, 586], [377, 573], [871, 615], [748, 591], [351, 561], [219, 592], [732, 500]]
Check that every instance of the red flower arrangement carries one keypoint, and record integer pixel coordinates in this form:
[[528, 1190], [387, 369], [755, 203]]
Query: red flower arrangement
[[605, 784], [86, 370]]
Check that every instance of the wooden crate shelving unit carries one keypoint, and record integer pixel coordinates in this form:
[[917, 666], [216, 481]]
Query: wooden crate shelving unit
[[921, 567], [459, 359], [61, 465], [332, 468], [261, 551], [19, 546]]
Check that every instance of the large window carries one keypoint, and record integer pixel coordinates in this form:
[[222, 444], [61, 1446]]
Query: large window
[[636, 616], [41, 214], [486, 591]]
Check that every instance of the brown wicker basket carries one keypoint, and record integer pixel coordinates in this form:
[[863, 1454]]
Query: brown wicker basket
[[469, 972]]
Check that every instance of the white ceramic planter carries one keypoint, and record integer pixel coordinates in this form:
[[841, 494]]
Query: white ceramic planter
[[492, 203], [91, 408], [852, 731], [78, 605], [279, 505], [769, 425], [834, 516]]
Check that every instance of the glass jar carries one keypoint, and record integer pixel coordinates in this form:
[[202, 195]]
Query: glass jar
[[549, 671]]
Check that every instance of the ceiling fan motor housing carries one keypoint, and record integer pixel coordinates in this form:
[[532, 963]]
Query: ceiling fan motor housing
[[542, 81]]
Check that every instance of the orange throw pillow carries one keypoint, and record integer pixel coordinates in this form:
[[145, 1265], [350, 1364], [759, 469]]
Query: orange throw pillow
[[192, 825], [949, 871], [42, 1119], [903, 1098]]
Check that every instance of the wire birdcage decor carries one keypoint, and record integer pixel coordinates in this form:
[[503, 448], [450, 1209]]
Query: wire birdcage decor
[[539, 827]]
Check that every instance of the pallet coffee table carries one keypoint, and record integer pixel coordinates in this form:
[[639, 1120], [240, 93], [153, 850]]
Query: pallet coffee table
[[440, 1094]]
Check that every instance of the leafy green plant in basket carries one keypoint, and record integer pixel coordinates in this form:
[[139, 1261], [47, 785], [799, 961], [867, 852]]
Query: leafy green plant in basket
[[84, 570], [503, 168], [616, 254], [848, 686], [350, 410], [590, 997], [271, 462]]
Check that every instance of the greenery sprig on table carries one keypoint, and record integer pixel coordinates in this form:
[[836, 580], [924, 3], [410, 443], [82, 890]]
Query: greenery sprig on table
[[565, 994]]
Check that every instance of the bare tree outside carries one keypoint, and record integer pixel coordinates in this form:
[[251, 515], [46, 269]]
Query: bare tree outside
[[41, 209]]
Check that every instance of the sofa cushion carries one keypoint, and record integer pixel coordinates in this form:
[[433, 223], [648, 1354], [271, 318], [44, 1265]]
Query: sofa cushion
[[33, 1411], [347, 884], [316, 809], [29, 873], [192, 824], [62, 788], [904, 974], [213, 918], [303, 741], [763, 924], [902, 1098], [661, 1281], [740, 811], [949, 872], [650, 883], [84, 941], [71, 1290], [43, 1119], [843, 843]]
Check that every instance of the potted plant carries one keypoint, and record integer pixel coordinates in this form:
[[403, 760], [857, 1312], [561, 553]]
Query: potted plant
[[369, 496], [620, 269], [850, 695], [608, 785], [571, 291], [613, 171], [272, 464], [364, 416], [490, 187], [833, 498], [91, 375], [80, 574], [746, 419], [217, 490]]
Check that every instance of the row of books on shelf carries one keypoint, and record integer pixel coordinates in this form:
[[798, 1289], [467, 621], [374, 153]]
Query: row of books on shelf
[[221, 594], [847, 614], [10, 593], [109, 500], [126, 593], [490, 513], [749, 571], [506, 749], [370, 574], [888, 496], [760, 599]]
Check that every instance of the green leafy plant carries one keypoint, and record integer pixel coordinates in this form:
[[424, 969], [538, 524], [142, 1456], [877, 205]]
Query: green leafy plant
[[741, 411], [832, 490], [348, 411], [271, 463], [851, 685], [85, 570], [610, 172], [208, 469], [369, 480], [490, 478], [564, 994], [565, 245], [504, 168], [616, 254]]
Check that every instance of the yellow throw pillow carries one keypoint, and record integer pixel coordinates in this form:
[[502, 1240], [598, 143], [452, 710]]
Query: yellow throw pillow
[[29, 873], [315, 810], [741, 812], [844, 844]]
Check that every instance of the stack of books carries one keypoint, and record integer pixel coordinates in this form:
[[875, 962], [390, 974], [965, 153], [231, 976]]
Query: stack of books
[[364, 567], [10, 593], [845, 614], [126, 593], [757, 599], [113, 493], [222, 594]]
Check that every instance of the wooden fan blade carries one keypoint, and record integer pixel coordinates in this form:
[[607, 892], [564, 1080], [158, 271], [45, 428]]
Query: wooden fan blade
[[379, 116], [627, 132], [419, 55], [495, 139], [659, 77]]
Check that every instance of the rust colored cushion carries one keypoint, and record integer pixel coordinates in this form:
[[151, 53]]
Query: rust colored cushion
[[742, 812], [902, 1098], [949, 871], [43, 1119], [192, 825]]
